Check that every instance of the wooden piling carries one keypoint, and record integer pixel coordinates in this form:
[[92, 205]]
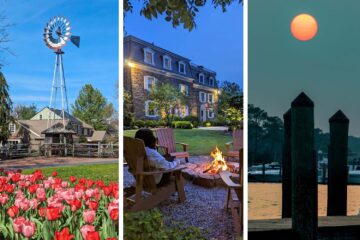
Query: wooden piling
[[337, 165], [304, 169], [286, 167]]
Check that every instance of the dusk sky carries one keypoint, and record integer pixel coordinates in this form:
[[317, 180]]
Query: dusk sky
[[29, 72], [216, 42], [326, 68]]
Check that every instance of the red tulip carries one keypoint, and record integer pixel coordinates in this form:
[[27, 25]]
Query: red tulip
[[72, 179], [86, 229], [13, 211], [93, 205], [53, 213], [93, 235], [16, 177], [75, 204], [18, 223], [54, 174], [63, 235], [107, 190], [32, 188], [89, 183], [42, 212], [114, 214]]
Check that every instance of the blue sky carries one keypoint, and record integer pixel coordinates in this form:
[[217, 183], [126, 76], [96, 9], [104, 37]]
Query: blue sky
[[29, 72], [216, 43]]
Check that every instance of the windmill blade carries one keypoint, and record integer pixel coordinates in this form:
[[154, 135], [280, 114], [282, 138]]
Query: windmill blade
[[75, 40]]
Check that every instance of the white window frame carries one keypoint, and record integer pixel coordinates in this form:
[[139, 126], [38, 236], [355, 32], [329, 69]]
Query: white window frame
[[149, 50], [210, 110], [203, 78], [182, 63], [186, 87], [211, 81], [180, 114], [168, 58], [147, 102], [200, 99], [146, 81], [12, 127], [212, 97]]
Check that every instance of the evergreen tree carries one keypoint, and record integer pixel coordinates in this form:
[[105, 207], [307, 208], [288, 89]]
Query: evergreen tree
[[5, 109]]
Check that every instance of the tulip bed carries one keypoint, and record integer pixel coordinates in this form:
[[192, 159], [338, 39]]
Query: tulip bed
[[37, 207]]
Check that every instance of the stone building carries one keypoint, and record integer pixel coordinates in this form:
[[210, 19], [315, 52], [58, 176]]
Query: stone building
[[147, 64]]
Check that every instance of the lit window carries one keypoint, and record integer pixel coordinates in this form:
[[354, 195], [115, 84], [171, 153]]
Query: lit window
[[201, 78], [12, 127], [149, 56], [202, 97], [149, 82], [210, 113], [211, 81], [210, 98], [184, 89], [167, 62], [182, 111], [150, 109], [182, 67]]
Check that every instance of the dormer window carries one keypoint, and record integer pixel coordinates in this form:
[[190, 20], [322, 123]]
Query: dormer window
[[211, 81], [201, 78], [149, 56], [167, 62], [182, 67]]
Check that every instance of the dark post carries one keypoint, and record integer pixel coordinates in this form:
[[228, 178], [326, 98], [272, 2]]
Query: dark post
[[286, 167], [304, 169], [338, 173]]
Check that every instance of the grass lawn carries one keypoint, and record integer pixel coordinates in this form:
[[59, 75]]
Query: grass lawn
[[106, 172], [201, 142]]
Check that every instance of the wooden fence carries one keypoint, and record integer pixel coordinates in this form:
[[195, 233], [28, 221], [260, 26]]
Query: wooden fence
[[60, 149]]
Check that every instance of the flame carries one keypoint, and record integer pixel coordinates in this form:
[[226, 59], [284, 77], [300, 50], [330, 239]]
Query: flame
[[219, 162]]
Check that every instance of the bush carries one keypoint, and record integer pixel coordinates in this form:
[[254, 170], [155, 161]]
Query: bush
[[193, 119], [139, 123], [150, 123], [207, 124], [160, 123], [150, 225], [182, 124]]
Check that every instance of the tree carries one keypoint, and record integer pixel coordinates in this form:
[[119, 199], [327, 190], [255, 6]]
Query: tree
[[5, 109], [231, 97], [166, 98], [24, 112], [178, 12], [127, 109], [92, 107]]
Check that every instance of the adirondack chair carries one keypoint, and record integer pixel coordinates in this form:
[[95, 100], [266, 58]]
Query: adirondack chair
[[237, 144], [166, 141], [234, 195], [139, 166]]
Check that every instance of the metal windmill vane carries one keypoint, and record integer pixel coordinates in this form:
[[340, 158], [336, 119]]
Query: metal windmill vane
[[56, 35]]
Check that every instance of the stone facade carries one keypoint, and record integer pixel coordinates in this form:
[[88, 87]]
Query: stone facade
[[137, 70]]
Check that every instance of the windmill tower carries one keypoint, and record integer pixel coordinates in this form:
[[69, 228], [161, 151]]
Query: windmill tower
[[56, 35]]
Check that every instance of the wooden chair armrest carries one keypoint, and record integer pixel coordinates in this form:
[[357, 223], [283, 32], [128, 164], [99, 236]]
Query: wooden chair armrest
[[228, 144], [166, 149], [185, 146], [179, 168], [225, 176]]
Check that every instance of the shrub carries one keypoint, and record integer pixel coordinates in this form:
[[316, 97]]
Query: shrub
[[160, 123], [150, 123], [150, 225], [182, 124], [139, 123], [193, 119], [207, 124]]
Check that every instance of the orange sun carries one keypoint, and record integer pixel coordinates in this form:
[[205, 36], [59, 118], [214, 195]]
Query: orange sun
[[304, 27]]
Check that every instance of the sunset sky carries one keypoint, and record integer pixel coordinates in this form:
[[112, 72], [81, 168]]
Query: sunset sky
[[326, 68]]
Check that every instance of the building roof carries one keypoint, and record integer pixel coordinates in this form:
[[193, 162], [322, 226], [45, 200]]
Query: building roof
[[59, 128], [37, 126], [98, 136]]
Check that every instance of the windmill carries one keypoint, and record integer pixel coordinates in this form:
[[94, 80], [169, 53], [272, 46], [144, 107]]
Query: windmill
[[56, 35]]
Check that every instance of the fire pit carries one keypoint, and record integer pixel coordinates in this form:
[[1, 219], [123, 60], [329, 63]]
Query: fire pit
[[205, 170]]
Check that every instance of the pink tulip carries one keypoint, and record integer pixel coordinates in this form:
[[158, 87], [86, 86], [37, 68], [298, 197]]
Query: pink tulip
[[89, 216], [4, 198], [85, 229], [28, 228], [40, 194], [34, 203], [17, 224]]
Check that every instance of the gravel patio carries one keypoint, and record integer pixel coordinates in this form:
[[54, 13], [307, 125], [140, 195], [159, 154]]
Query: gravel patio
[[203, 208]]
